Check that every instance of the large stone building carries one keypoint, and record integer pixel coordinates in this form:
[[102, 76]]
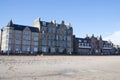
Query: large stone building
[[92, 46], [54, 38], [50, 38], [19, 38], [45, 37]]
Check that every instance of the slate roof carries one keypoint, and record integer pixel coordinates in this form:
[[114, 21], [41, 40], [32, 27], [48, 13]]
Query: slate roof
[[106, 43], [21, 27], [83, 40]]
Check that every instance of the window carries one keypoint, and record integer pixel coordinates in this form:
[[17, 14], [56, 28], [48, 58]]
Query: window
[[61, 50], [35, 43], [26, 32], [64, 44], [69, 32], [28, 42], [44, 29], [18, 42], [26, 37], [44, 23], [85, 41], [69, 50], [64, 32], [35, 34], [35, 38], [24, 42], [44, 42], [53, 43], [29, 37], [80, 40], [44, 49], [57, 43], [17, 32], [49, 43], [56, 37], [53, 30], [16, 48], [44, 36], [68, 44], [28, 48], [35, 49], [53, 37], [49, 30], [25, 48], [69, 38], [52, 49], [17, 36], [64, 38], [61, 44], [60, 37], [58, 31]]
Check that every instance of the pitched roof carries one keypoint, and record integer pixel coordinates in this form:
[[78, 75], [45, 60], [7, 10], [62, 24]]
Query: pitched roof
[[83, 40], [22, 27]]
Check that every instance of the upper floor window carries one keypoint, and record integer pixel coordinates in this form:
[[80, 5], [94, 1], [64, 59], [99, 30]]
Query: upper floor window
[[35, 34], [35, 38], [80, 40], [85, 41], [69, 32], [44, 42], [44, 29], [17, 32], [35, 43], [69, 38], [44, 36], [26, 32]]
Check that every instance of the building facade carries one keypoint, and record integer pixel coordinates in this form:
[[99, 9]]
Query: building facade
[[19, 38], [54, 38], [50, 38], [45, 37], [92, 46]]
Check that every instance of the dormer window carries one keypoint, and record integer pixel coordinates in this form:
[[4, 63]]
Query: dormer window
[[80, 40], [44, 23]]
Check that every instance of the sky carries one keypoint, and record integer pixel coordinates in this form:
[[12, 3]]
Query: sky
[[98, 17]]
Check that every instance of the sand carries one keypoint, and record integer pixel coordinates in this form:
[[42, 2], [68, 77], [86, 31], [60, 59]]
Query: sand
[[59, 67]]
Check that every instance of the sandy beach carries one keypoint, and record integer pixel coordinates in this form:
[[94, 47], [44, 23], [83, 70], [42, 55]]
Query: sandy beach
[[59, 67]]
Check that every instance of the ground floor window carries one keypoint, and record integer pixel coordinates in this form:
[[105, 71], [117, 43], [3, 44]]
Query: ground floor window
[[44, 49], [35, 49], [26, 48], [61, 50], [53, 50]]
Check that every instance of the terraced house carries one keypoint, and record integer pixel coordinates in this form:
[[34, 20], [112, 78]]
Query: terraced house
[[45, 37], [93, 46]]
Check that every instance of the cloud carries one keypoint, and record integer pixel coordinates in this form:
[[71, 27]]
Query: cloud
[[114, 37]]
